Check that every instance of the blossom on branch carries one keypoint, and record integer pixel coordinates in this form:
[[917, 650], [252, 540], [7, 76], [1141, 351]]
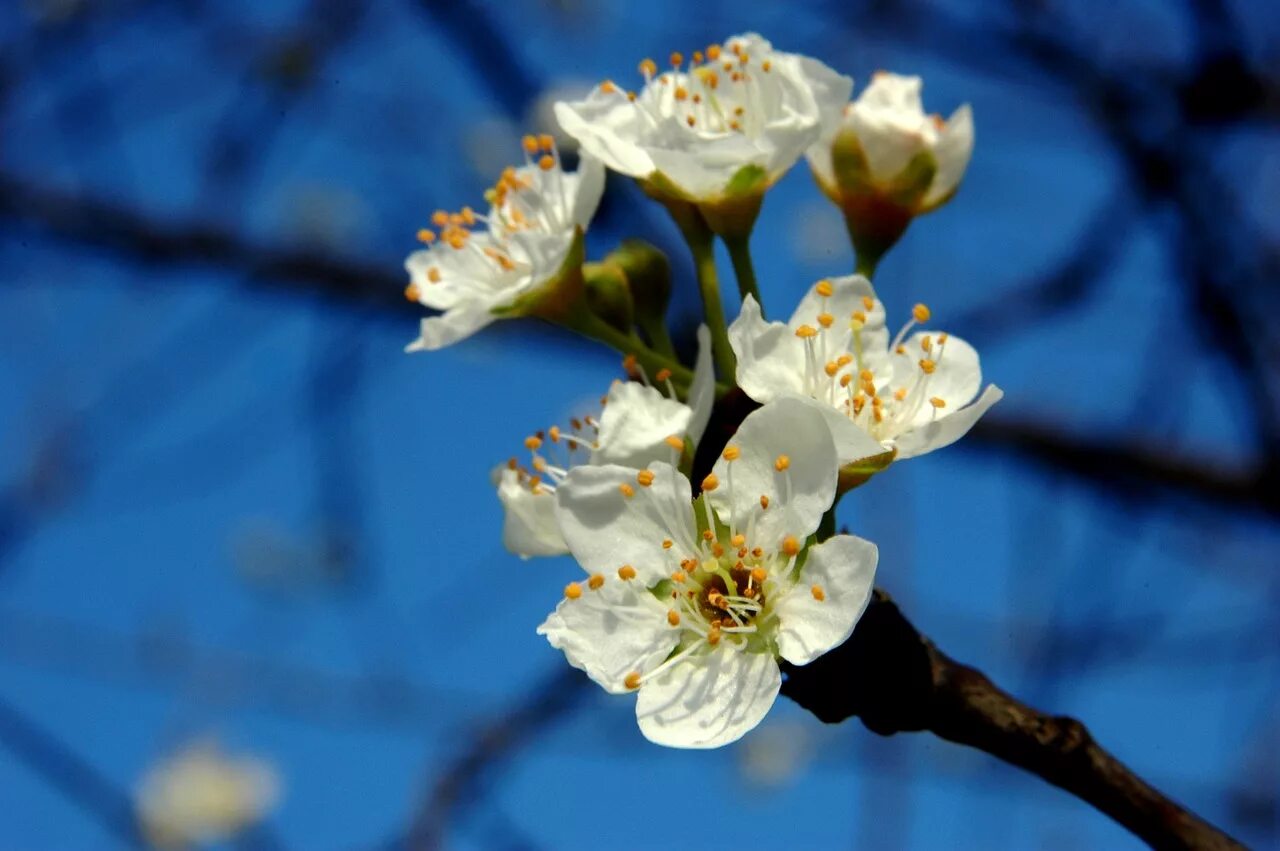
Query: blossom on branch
[[522, 258], [691, 604], [716, 130], [909, 395], [638, 425]]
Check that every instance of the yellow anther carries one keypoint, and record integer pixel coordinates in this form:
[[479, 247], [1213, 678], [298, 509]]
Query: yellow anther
[[764, 501], [690, 120], [632, 680], [716, 599], [781, 463], [677, 59], [440, 218], [846, 379], [938, 402], [926, 343], [697, 57], [902, 350], [648, 67], [710, 483], [758, 552], [532, 442], [629, 363], [573, 590], [675, 442], [530, 144], [662, 375], [831, 369], [547, 162], [608, 87], [868, 303], [942, 339], [596, 581], [540, 464], [547, 142], [859, 317], [900, 393], [717, 550], [427, 236], [735, 125], [818, 593], [844, 360], [738, 539], [879, 414], [707, 534], [927, 366], [758, 575], [412, 292], [790, 546], [679, 577], [824, 288], [713, 635], [921, 313], [825, 319], [731, 453], [627, 572], [554, 434], [806, 331], [433, 275], [627, 490], [859, 402], [673, 617], [631, 96], [681, 93], [713, 52], [667, 543], [645, 478]]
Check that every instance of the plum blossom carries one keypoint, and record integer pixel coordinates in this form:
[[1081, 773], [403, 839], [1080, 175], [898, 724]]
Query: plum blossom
[[638, 424], [741, 108], [886, 144], [691, 605], [477, 267], [909, 395], [201, 794]]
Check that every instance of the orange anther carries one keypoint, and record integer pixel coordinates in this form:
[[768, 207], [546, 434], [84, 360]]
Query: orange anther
[[825, 319], [627, 490], [627, 572], [675, 442], [673, 617], [662, 375], [530, 144], [758, 575], [927, 366], [573, 590], [818, 593], [411, 292], [938, 402], [632, 680], [806, 331], [427, 236], [731, 453], [547, 162], [824, 288], [790, 546], [433, 275], [710, 483], [532, 442], [645, 478], [667, 543], [782, 462], [679, 577], [764, 501], [596, 580], [921, 313]]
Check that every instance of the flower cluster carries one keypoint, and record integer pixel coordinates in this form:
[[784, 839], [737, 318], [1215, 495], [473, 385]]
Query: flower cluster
[[699, 503]]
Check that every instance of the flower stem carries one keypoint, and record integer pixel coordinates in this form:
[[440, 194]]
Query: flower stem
[[866, 265], [743, 269], [701, 243], [659, 339], [592, 326]]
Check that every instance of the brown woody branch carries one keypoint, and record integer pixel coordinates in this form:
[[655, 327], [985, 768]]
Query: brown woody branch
[[893, 678]]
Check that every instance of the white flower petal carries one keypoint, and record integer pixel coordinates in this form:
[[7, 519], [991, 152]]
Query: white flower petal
[[606, 529], [588, 190], [851, 441], [800, 494], [439, 331], [887, 147], [955, 380], [708, 699], [702, 391], [635, 424], [954, 148], [770, 356], [529, 519], [842, 571], [946, 430], [606, 127], [611, 631]]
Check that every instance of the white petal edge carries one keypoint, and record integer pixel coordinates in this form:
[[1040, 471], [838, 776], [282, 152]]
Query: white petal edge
[[529, 520], [702, 391], [946, 431], [770, 356], [635, 424], [844, 568], [709, 699]]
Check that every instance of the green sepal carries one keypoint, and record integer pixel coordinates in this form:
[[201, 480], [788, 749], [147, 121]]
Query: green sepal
[[860, 472], [608, 293], [663, 590]]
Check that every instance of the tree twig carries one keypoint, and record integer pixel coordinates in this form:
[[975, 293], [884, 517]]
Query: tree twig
[[895, 680]]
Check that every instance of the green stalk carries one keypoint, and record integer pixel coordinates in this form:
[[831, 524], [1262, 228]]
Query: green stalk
[[743, 269], [702, 246], [866, 265], [592, 326]]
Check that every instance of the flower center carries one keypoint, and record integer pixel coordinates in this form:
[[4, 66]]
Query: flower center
[[837, 370]]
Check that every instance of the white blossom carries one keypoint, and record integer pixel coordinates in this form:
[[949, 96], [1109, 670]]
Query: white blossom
[[201, 794], [692, 604], [910, 395], [693, 128], [478, 266], [887, 129], [638, 424]]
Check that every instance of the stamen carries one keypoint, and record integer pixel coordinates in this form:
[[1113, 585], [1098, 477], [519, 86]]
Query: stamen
[[938, 402], [532, 443], [806, 331], [426, 236], [673, 617], [667, 543], [596, 580], [921, 313], [645, 478], [790, 546], [818, 593], [573, 590], [627, 490], [626, 572], [710, 483], [927, 366], [824, 288], [632, 680], [764, 502], [731, 453], [675, 442], [781, 463]]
